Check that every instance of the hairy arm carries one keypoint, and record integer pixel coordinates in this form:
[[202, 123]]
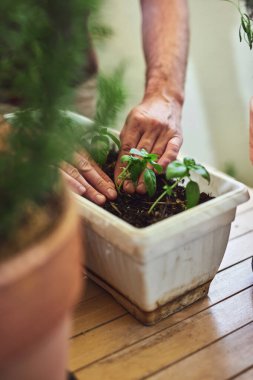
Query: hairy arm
[[155, 123], [165, 34]]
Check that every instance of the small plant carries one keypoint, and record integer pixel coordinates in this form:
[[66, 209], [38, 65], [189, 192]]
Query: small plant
[[111, 98], [136, 164], [246, 27], [179, 171]]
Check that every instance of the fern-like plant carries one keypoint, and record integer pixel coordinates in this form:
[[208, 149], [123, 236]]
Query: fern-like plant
[[42, 47]]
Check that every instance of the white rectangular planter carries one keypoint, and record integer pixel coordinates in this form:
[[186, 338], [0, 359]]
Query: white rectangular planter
[[159, 269]]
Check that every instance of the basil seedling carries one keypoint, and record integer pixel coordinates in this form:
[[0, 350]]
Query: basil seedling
[[178, 171], [137, 163]]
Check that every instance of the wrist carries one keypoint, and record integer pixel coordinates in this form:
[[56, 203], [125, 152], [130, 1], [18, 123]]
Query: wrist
[[159, 84]]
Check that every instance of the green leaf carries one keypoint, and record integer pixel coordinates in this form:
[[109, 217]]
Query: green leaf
[[103, 131], [137, 152], [135, 169], [157, 167], [100, 146], [150, 181], [125, 158], [152, 156], [114, 139], [201, 170], [240, 33], [188, 161], [176, 169], [192, 194], [168, 189]]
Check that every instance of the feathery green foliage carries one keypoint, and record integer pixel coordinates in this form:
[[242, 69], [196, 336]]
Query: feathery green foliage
[[111, 98], [42, 46], [246, 27]]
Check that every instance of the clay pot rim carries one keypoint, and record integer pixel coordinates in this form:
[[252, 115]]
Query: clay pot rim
[[25, 261]]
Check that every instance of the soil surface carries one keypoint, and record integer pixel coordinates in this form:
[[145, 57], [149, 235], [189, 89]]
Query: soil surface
[[134, 208]]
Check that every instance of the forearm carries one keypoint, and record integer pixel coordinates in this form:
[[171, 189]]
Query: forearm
[[165, 33]]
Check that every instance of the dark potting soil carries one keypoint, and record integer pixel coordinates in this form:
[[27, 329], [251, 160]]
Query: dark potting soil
[[133, 208]]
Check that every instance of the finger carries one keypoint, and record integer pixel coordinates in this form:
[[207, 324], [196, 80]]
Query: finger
[[74, 184], [141, 188], [90, 193], [148, 140], [90, 172], [171, 151], [129, 140], [96, 166], [129, 187], [73, 172]]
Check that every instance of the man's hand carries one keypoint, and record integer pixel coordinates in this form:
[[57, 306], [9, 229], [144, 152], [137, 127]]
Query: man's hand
[[86, 178], [154, 125]]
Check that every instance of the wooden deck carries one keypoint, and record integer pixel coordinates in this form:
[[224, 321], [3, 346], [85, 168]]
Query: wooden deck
[[212, 339]]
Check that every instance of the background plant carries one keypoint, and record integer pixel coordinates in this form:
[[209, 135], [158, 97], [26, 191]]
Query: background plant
[[179, 171], [42, 47], [246, 27], [111, 98]]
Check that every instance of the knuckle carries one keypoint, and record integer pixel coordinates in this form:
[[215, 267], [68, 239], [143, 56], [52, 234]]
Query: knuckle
[[126, 146], [100, 182], [73, 172], [83, 164]]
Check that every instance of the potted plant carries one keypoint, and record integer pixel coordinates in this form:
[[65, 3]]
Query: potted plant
[[160, 268], [40, 240]]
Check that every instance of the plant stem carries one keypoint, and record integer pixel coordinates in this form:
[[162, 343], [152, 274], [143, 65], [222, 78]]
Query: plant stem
[[156, 201], [162, 195], [123, 176]]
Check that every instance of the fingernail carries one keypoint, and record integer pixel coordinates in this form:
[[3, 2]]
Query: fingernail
[[141, 188], [100, 198], [112, 193], [129, 187], [81, 189]]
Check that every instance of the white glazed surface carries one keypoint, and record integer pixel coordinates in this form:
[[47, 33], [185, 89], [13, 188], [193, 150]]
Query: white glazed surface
[[155, 264]]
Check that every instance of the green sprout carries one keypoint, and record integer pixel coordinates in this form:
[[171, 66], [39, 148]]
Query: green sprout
[[137, 162], [178, 171]]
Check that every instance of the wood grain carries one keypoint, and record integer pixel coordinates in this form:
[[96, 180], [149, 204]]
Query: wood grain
[[174, 343], [237, 250], [246, 375], [207, 363], [127, 330]]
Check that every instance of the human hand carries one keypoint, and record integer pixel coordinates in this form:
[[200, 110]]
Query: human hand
[[86, 178], [154, 125]]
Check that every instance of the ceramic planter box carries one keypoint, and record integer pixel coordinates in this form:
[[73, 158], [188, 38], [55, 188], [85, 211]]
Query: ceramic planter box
[[157, 270]]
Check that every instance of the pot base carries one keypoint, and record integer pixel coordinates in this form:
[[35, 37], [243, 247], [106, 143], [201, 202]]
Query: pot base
[[163, 311]]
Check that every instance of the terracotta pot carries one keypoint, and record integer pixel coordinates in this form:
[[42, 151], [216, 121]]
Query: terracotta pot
[[38, 289]]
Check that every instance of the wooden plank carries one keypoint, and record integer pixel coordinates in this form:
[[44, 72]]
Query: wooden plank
[[237, 250], [171, 344], [247, 375], [215, 362], [242, 224], [126, 330], [101, 309], [95, 312], [247, 205]]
